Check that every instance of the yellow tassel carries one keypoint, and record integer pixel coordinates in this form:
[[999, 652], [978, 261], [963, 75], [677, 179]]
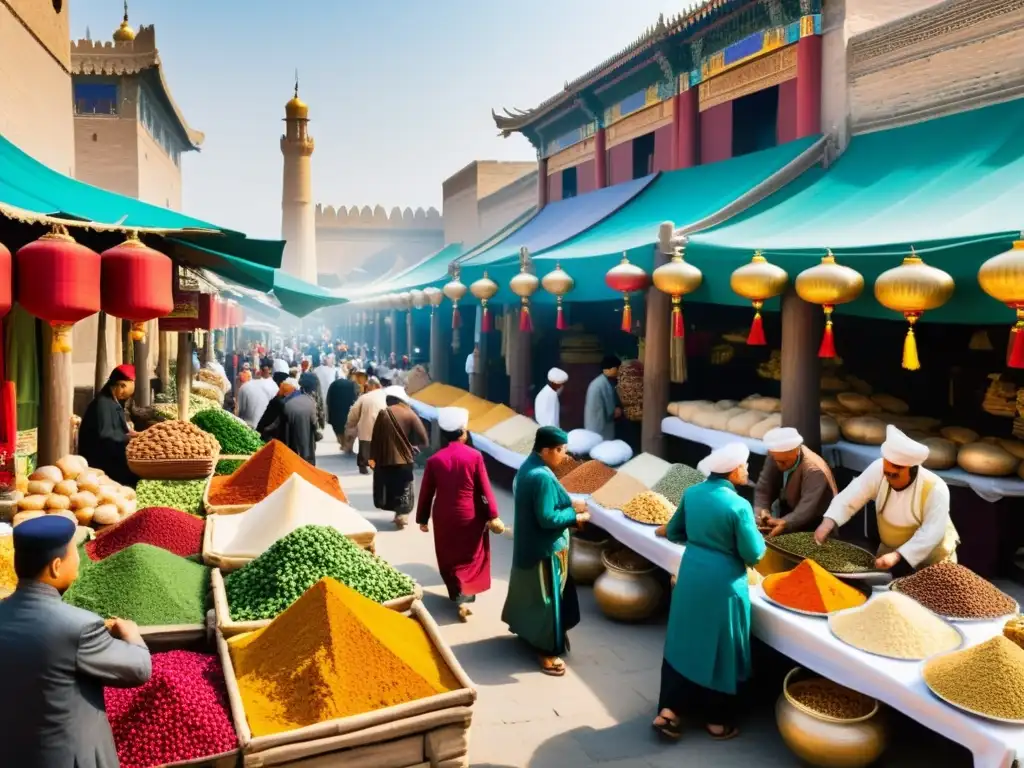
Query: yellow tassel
[[910, 359]]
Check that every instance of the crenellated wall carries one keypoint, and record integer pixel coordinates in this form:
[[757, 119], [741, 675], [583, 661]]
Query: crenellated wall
[[328, 216]]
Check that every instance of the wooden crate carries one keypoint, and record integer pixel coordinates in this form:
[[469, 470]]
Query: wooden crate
[[223, 509]]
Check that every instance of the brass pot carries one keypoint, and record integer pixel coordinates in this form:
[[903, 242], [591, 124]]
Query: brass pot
[[585, 560], [627, 595], [826, 741]]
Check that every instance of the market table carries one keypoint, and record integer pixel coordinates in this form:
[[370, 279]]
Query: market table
[[500, 453]]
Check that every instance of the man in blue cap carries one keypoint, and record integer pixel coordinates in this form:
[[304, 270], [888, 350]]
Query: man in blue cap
[[56, 659]]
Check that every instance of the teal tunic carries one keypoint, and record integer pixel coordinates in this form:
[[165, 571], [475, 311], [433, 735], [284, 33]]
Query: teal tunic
[[708, 640], [541, 603]]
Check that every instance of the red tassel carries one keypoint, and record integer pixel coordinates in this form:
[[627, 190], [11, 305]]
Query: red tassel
[[456, 318], [677, 322], [485, 323], [627, 318], [560, 319], [756, 337], [828, 342], [1016, 359], [525, 323]]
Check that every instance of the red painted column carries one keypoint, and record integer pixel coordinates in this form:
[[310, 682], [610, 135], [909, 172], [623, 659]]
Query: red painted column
[[808, 86], [600, 160], [542, 182], [686, 129]]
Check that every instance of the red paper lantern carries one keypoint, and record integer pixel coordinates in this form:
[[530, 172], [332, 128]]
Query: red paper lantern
[[627, 278], [6, 282], [59, 282], [137, 284]]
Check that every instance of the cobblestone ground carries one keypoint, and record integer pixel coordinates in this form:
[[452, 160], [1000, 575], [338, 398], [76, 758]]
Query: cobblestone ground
[[599, 713]]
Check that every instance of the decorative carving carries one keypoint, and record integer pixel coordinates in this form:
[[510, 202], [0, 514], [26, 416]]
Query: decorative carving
[[773, 69], [574, 155], [639, 123], [666, 67], [697, 53], [377, 217], [775, 13]]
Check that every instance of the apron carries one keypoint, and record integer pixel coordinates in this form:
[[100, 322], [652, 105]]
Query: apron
[[895, 536], [773, 562]]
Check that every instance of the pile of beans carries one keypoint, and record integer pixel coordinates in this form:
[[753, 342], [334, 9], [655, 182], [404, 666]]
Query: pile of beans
[[650, 508], [163, 527], [834, 556], [831, 699], [987, 678], [266, 586], [186, 495], [675, 482], [588, 477], [180, 714], [956, 592], [173, 440], [568, 465], [234, 436]]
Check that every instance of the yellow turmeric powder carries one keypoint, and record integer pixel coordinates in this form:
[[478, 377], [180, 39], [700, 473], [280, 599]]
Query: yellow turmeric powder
[[333, 654], [8, 578]]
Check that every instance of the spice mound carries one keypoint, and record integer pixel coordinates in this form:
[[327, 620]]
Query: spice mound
[[228, 466], [8, 578], [895, 626], [649, 508], [235, 437], [266, 586], [956, 592], [186, 495], [146, 584], [1014, 629], [265, 472], [172, 440], [834, 556], [811, 588], [163, 527], [618, 492], [333, 654], [568, 464], [627, 560], [587, 477], [180, 714], [675, 482], [987, 678], [831, 699]]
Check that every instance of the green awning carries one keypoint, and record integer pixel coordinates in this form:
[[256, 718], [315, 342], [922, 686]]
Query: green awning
[[299, 298], [951, 188]]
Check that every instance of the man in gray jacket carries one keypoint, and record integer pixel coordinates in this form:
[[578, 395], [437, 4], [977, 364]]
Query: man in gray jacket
[[56, 659]]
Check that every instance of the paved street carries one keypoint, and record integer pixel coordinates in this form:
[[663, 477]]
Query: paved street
[[599, 713]]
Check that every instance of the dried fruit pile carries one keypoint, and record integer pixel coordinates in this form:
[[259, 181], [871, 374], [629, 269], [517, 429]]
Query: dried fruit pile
[[173, 440], [178, 532], [8, 578], [956, 592]]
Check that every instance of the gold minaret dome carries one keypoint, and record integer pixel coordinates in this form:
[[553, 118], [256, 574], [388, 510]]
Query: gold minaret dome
[[296, 108], [124, 33]]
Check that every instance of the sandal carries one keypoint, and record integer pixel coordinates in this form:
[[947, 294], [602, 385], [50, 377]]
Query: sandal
[[730, 732], [668, 729], [464, 613], [552, 666]]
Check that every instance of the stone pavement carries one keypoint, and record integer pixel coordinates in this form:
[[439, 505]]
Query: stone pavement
[[599, 713]]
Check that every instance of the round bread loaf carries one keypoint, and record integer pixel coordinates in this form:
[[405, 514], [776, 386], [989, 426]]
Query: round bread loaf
[[829, 430], [744, 422], [890, 403], [831, 405], [720, 419], [759, 430], [864, 430], [688, 408], [986, 459], [1014, 447], [765, 404], [725, 405], [959, 435], [857, 403], [941, 453]]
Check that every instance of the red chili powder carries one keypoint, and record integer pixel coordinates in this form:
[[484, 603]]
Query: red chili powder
[[265, 472], [796, 589], [170, 529], [180, 714]]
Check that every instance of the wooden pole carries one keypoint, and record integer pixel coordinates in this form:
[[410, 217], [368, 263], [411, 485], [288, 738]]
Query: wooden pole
[[143, 393], [58, 390], [118, 345], [657, 349], [127, 350], [438, 349], [163, 364], [522, 366], [801, 375], [207, 353], [184, 374], [101, 353]]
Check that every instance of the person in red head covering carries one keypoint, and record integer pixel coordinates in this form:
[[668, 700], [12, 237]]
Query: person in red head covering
[[104, 433]]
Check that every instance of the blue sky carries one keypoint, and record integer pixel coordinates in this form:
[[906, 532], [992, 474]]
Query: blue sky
[[400, 91]]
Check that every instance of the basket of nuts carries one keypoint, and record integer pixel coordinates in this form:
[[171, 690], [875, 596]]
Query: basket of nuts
[[173, 450]]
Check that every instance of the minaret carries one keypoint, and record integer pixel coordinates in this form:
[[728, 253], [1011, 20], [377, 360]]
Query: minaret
[[298, 225], [124, 33]]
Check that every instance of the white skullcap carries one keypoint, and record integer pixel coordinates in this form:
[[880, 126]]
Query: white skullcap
[[452, 419], [725, 459], [782, 439], [291, 382], [280, 366], [901, 450], [557, 376], [397, 392]]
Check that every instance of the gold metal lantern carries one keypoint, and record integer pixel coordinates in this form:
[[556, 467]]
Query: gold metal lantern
[[558, 283], [829, 284], [524, 285], [484, 289], [757, 282], [912, 289], [677, 278], [1002, 278], [455, 291]]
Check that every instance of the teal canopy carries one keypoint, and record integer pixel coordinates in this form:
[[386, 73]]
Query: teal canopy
[[951, 188]]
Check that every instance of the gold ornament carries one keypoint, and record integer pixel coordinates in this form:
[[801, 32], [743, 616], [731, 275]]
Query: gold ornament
[[484, 289], [757, 282], [524, 285], [677, 278], [1002, 278], [558, 283], [829, 284]]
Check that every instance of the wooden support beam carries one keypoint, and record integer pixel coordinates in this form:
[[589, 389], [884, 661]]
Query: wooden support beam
[[657, 354], [438, 349], [184, 374], [58, 391], [143, 394], [801, 374], [102, 365]]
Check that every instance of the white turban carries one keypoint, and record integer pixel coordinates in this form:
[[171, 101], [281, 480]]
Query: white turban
[[557, 376], [901, 450], [280, 366], [397, 392], [782, 439], [725, 459], [294, 383], [452, 419]]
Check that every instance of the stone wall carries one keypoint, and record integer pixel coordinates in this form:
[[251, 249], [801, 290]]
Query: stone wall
[[106, 152], [159, 179]]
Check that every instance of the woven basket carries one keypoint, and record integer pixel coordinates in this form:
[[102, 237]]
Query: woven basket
[[173, 469], [227, 564], [223, 509]]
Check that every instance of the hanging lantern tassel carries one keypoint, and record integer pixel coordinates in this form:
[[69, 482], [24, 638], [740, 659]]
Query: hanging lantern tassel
[[486, 324], [560, 315], [138, 332], [61, 337], [525, 322], [456, 317], [678, 329], [911, 362], [627, 315], [828, 341], [756, 337], [1016, 359]]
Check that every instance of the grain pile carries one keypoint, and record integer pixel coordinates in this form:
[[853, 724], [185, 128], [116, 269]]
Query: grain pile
[[476, 406], [647, 468], [618, 492], [811, 588], [569, 463], [185, 495], [491, 418], [163, 527], [675, 482], [649, 508], [513, 431], [439, 395], [956, 592], [524, 445], [265, 472], [8, 578], [831, 699], [588, 477], [333, 654], [987, 678], [172, 440], [895, 626], [834, 555]]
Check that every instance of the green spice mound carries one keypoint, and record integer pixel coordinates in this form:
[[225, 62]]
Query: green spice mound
[[196, 404], [186, 495], [235, 437], [146, 584], [266, 586], [834, 556], [228, 466], [676, 481]]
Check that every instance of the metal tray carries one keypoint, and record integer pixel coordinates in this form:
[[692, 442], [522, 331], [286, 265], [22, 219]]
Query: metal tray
[[961, 707], [641, 522], [856, 576], [963, 638], [894, 587]]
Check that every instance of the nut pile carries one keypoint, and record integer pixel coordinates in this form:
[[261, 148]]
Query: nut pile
[[631, 390], [568, 465], [649, 508], [74, 490], [834, 556], [587, 477], [831, 699], [956, 592], [675, 482], [987, 678], [173, 440]]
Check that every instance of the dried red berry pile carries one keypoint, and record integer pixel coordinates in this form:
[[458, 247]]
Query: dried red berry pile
[[164, 527], [180, 714]]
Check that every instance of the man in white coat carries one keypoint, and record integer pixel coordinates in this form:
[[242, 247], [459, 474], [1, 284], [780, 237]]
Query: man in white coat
[[911, 505], [547, 406]]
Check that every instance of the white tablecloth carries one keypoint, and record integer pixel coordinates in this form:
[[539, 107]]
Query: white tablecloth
[[491, 448], [849, 455]]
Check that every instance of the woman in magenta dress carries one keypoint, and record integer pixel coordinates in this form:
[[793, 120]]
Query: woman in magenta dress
[[458, 492]]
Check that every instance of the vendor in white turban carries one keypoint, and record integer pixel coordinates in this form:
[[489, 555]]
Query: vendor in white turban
[[547, 407], [795, 486], [911, 505]]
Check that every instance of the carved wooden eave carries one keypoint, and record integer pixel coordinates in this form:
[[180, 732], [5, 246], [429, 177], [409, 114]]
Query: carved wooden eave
[[91, 57]]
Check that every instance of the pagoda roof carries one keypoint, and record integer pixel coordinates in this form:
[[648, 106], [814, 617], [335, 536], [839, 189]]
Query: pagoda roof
[[136, 57]]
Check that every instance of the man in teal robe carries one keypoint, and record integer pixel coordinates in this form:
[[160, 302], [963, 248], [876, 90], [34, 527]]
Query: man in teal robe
[[541, 605], [707, 646]]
